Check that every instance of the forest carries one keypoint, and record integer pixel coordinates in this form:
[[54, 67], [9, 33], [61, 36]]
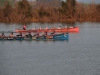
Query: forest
[[68, 11]]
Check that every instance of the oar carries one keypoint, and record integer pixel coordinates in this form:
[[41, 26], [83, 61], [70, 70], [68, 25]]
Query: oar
[[6, 31]]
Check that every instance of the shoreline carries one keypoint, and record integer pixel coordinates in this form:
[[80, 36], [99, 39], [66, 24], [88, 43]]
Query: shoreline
[[51, 21]]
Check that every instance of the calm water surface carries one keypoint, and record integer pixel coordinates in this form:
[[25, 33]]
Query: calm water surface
[[78, 56]]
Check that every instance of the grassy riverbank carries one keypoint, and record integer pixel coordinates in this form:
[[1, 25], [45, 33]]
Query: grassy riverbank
[[67, 12]]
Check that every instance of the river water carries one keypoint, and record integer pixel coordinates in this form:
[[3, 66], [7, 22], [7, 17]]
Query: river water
[[80, 55]]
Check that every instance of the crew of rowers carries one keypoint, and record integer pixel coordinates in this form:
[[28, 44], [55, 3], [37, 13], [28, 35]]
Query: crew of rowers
[[29, 35], [25, 27]]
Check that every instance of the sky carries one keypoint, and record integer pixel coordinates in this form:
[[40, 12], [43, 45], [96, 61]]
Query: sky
[[89, 1]]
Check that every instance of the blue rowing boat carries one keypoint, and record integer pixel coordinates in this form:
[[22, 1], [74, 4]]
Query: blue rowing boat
[[64, 36], [12, 38], [61, 37]]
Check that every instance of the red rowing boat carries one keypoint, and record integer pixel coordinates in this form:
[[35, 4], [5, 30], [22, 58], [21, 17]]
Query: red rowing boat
[[62, 30]]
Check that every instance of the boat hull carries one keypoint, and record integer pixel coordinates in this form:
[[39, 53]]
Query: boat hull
[[63, 30], [48, 37], [61, 37]]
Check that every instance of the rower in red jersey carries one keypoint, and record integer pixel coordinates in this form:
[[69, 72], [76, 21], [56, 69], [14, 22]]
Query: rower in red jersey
[[24, 27]]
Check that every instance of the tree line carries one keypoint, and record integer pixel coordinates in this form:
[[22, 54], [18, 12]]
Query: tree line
[[69, 11]]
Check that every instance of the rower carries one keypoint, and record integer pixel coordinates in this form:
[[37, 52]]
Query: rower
[[53, 33], [59, 27], [66, 27], [53, 28], [40, 28], [11, 34], [46, 28], [37, 35], [19, 35], [29, 35], [34, 28], [24, 27], [3, 35], [71, 27], [45, 34]]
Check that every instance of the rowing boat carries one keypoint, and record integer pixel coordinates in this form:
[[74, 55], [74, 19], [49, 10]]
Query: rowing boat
[[62, 30], [48, 37]]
